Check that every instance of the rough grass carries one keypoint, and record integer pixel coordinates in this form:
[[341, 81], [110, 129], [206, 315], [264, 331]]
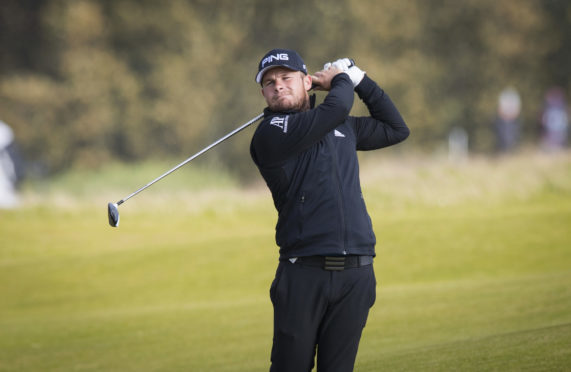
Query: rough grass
[[473, 270]]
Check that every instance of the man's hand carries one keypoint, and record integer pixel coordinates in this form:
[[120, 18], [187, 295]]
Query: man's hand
[[343, 64], [348, 66], [356, 75], [321, 80]]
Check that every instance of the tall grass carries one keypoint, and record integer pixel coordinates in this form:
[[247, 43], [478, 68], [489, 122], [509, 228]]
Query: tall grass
[[482, 179], [391, 181]]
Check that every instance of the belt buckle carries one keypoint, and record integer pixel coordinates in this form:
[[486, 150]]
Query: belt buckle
[[334, 263]]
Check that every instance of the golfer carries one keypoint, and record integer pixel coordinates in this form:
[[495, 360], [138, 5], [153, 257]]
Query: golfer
[[324, 284]]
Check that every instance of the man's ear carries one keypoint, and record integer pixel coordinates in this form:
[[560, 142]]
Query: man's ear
[[307, 82]]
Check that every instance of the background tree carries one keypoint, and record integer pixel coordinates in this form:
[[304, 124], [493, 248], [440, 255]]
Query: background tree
[[83, 82]]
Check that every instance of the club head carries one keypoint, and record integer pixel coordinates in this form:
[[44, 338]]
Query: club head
[[113, 214]]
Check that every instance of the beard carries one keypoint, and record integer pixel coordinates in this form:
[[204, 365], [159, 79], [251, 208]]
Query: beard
[[291, 104]]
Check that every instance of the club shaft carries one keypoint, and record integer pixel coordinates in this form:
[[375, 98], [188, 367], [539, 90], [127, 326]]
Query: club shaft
[[244, 126]]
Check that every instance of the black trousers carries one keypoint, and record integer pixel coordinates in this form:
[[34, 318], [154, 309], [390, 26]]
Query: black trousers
[[319, 311]]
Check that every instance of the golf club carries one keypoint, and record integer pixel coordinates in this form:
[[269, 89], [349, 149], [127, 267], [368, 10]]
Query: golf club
[[113, 212]]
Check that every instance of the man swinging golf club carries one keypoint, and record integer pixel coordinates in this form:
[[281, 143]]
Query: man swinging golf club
[[325, 283]]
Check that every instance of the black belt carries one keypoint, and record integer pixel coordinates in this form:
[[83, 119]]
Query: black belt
[[335, 263]]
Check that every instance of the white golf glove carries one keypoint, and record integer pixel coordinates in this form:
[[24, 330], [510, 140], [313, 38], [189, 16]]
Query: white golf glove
[[356, 75], [348, 66], [342, 64]]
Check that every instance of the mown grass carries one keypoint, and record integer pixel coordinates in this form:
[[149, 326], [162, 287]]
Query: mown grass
[[473, 271]]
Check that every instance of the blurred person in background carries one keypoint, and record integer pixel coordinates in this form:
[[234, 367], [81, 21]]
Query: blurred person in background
[[507, 124], [10, 168], [325, 283], [554, 121]]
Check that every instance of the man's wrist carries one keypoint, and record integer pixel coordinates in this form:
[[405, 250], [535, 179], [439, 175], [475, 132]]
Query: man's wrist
[[341, 76], [364, 84]]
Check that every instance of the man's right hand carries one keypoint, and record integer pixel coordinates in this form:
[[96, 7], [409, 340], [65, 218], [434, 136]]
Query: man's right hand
[[321, 80]]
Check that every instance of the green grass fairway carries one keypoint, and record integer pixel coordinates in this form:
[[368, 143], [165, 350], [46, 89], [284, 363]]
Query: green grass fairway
[[473, 272]]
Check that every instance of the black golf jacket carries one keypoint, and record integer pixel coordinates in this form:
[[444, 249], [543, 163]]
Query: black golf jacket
[[309, 162]]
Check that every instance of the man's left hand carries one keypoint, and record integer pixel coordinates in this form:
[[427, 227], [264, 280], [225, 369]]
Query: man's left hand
[[348, 66]]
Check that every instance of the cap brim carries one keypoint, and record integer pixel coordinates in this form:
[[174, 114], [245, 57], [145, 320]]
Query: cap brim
[[261, 73]]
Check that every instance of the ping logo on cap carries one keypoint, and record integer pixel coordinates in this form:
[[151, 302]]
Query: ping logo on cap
[[277, 57], [280, 58]]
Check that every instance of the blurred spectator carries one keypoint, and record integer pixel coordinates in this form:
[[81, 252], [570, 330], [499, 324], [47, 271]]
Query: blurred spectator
[[507, 124], [10, 168], [554, 121], [458, 145]]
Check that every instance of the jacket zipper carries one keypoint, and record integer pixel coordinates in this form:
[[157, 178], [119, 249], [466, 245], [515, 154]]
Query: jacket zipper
[[340, 198]]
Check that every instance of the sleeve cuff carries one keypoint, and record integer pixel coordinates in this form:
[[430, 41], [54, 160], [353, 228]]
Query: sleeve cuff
[[366, 87], [342, 76]]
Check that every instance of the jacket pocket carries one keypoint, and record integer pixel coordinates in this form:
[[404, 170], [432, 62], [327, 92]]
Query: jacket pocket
[[301, 220], [366, 214], [360, 227], [289, 229]]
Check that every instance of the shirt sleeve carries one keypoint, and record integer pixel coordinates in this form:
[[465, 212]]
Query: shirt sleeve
[[385, 126], [283, 135]]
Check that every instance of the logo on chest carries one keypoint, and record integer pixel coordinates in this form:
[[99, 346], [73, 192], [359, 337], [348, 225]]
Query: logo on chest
[[338, 134], [280, 122]]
